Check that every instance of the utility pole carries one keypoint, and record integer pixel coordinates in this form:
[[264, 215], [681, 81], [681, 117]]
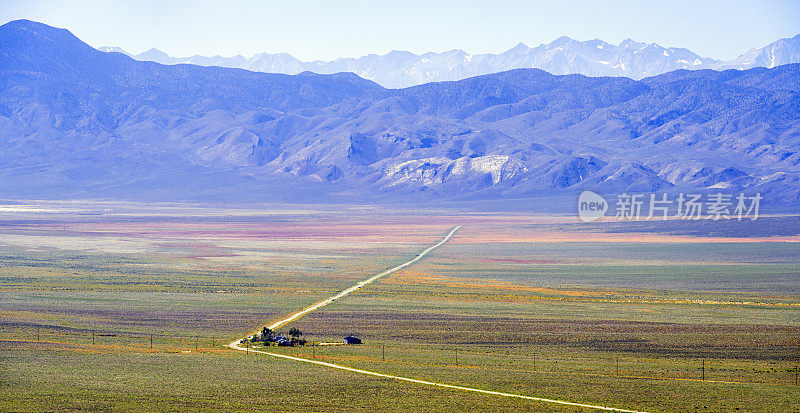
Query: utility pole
[[456, 357], [704, 369], [151, 341], [617, 357], [534, 361], [383, 352], [92, 337]]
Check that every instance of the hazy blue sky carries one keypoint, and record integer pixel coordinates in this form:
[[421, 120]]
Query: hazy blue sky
[[346, 28]]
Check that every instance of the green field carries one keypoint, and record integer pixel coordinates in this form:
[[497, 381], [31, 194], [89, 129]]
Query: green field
[[130, 311], [35, 380]]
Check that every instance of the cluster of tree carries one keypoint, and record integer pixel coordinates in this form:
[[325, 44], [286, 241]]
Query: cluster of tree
[[272, 338]]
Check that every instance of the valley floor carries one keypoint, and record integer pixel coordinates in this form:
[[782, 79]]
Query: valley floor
[[130, 311]]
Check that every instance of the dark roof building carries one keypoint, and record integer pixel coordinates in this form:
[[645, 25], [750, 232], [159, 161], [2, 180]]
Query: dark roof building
[[352, 340]]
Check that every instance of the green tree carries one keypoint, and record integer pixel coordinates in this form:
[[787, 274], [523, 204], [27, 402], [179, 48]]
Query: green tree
[[267, 334], [295, 332]]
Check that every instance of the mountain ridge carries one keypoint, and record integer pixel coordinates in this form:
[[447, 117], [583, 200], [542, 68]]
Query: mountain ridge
[[76, 122], [399, 69]]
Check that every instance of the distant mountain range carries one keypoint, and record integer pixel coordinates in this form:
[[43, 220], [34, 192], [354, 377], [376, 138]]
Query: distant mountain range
[[561, 57], [79, 123]]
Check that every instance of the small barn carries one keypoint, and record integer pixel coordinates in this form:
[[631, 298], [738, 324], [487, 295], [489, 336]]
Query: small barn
[[352, 340]]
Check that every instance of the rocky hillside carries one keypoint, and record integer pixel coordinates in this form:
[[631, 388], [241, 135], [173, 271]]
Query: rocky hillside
[[77, 122]]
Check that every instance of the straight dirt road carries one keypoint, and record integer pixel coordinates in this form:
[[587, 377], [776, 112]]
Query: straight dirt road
[[236, 345], [358, 286]]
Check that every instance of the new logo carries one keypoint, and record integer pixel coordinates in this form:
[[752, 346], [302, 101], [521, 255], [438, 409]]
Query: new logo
[[591, 206]]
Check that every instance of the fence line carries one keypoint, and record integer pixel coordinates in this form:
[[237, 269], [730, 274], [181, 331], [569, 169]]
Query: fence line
[[618, 365], [72, 335]]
